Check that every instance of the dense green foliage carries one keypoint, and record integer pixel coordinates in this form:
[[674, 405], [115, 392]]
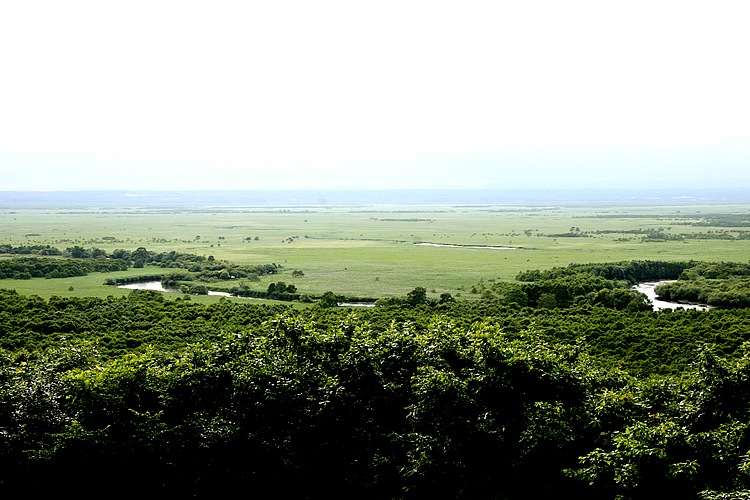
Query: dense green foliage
[[52, 267], [201, 267], [119, 325], [719, 284], [299, 407], [563, 384], [567, 291], [607, 285], [731, 292], [288, 405], [633, 271], [7, 248]]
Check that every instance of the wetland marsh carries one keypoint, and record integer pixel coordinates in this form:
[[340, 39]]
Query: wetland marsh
[[382, 250]]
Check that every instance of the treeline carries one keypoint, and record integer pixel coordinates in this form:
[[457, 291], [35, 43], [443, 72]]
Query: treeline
[[79, 261], [275, 291], [715, 270], [596, 284], [319, 411], [202, 268], [53, 267], [633, 271], [724, 220], [718, 284], [6, 248], [567, 291], [732, 292], [417, 297], [127, 280]]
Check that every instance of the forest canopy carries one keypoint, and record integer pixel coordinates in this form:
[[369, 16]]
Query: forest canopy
[[560, 393]]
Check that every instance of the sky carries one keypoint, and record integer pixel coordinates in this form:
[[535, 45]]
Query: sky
[[373, 94]]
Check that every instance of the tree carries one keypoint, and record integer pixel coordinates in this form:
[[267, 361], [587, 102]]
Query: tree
[[446, 298], [417, 296], [198, 290], [328, 299], [121, 254], [78, 252], [141, 254], [516, 296]]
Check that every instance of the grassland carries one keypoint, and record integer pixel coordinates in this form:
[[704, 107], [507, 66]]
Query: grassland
[[371, 251]]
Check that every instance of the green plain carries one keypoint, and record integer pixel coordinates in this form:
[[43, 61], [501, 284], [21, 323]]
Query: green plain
[[371, 251]]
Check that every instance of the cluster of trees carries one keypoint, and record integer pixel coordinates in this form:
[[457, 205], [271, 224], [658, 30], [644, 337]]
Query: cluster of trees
[[566, 291], [79, 261], [718, 235], [126, 280], [716, 293], [194, 289], [78, 252], [281, 287], [718, 284], [184, 268], [651, 235], [415, 298], [724, 220], [54, 267], [633, 271], [275, 291], [573, 232], [6, 248], [716, 270], [203, 268]]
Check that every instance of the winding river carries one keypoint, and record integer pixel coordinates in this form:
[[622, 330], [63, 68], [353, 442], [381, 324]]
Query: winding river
[[157, 286], [648, 288]]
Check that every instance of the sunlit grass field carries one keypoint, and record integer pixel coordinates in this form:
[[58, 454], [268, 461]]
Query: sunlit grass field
[[371, 251]]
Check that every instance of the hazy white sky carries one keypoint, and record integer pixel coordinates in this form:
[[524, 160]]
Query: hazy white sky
[[352, 94]]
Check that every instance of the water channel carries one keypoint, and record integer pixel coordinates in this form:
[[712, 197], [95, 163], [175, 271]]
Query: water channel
[[157, 286], [649, 289]]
